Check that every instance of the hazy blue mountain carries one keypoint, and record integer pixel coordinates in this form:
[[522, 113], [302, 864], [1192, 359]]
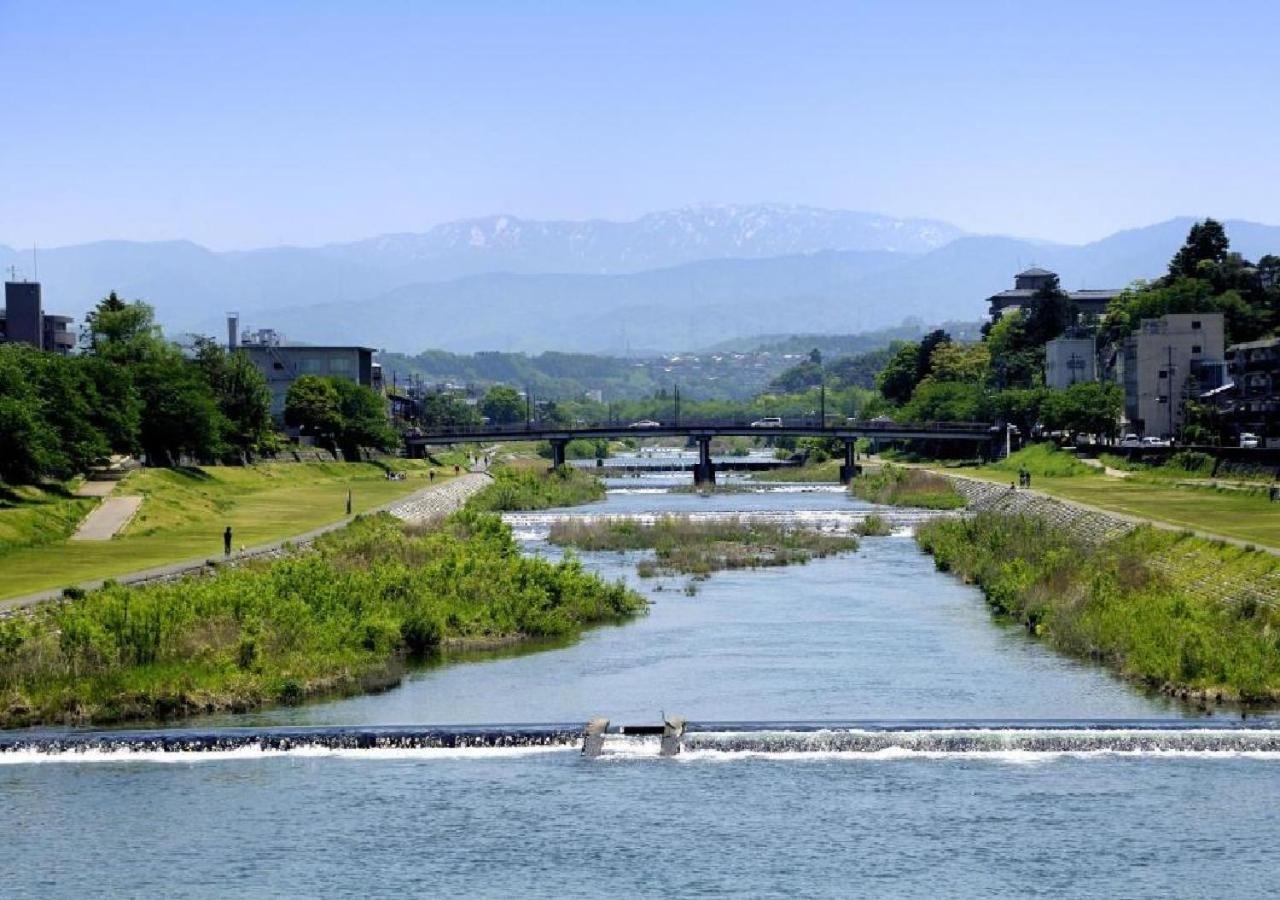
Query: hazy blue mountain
[[706, 275]]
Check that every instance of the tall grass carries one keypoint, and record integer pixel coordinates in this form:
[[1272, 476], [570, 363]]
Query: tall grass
[[901, 486], [1152, 605], [526, 488], [1045, 460], [340, 617]]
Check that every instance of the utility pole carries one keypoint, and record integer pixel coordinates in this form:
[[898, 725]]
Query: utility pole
[[676, 391], [1169, 388], [528, 407]]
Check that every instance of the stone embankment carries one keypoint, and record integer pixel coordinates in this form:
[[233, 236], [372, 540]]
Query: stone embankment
[[1188, 564], [434, 502]]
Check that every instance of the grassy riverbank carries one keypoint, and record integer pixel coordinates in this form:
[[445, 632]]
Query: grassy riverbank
[[31, 516], [1244, 515], [342, 617], [827, 470], [1190, 617], [185, 510], [529, 487], [687, 546], [901, 486]]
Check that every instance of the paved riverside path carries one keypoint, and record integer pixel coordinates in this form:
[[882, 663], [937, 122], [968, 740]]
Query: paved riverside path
[[422, 505], [108, 517]]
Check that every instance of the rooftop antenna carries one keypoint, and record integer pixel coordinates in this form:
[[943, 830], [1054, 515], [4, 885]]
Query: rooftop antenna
[[13, 273]]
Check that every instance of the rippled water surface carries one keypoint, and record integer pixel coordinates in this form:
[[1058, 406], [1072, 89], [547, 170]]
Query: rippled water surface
[[877, 635]]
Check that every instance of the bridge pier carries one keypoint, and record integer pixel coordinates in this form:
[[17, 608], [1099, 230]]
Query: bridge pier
[[557, 452], [704, 471], [850, 468]]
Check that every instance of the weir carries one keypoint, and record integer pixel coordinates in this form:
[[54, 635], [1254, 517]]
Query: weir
[[676, 736]]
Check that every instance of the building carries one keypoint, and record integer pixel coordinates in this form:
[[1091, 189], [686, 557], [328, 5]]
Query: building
[[1166, 361], [1029, 282], [24, 321], [1255, 369], [283, 364], [1070, 360]]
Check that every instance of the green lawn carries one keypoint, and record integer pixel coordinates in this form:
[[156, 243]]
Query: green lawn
[[30, 516], [186, 510], [1246, 516]]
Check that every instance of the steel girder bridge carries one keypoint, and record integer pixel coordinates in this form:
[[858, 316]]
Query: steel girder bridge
[[980, 435]]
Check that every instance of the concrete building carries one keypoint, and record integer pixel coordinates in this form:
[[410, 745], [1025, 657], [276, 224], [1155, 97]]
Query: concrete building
[[24, 321], [1166, 361], [1070, 360], [1029, 282], [1254, 368], [283, 364]]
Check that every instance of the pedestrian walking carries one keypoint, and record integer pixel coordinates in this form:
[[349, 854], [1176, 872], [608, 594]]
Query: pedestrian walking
[[348, 501], [226, 542]]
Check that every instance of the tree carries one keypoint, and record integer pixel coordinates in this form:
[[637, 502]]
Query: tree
[[897, 380], [311, 404], [121, 331], [961, 362], [242, 395], [503, 405], [180, 414], [28, 445], [445, 409], [1021, 407], [68, 398], [946, 401], [1089, 407], [924, 359], [798, 378], [1051, 314], [117, 410], [363, 419], [1206, 243]]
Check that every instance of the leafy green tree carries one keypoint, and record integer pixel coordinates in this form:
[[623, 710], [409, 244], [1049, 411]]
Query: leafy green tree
[[121, 331], [1206, 243], [28, 445], [312, 404], [503, 405], [180, 413], [117, 409], [363, 416], [68, 398], [242, 395], [947, 401], [1021, 407], [961, 362], [897, 380], [1089, 407], [798, 378], [1050, 315], [445, 409], [924, 359]]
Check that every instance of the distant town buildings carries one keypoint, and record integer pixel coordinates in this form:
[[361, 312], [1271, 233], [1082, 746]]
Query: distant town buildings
[[24, 321], [1090, 304], [1253, 405]]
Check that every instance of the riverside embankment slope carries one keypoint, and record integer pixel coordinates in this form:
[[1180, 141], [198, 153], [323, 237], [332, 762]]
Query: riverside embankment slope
[[427, 503]]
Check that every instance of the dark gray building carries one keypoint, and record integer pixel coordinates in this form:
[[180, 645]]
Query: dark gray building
[[23, 320], [1029, 282], [283, 364]]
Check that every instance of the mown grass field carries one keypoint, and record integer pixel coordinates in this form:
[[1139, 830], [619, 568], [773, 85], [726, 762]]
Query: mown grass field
[[185, 511], [30, 516], [1243, 515]]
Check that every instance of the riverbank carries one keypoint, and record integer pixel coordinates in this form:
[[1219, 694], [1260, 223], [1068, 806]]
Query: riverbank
[[184, 512], [1191, 618], [342, 617], [901, 486], [531, 486]]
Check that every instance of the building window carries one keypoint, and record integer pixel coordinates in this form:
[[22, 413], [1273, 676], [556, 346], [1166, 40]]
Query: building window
[[278, 366], [1195, 324], [1195, 349], [340, 364], [1163, 374], [310, 366]]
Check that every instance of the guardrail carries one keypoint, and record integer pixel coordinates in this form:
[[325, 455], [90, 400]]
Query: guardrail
[[807, 425]]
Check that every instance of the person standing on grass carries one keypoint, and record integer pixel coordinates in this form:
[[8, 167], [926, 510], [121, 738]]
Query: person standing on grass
[[226, 542]]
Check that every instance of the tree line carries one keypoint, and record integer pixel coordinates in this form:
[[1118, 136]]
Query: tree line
[[131, 391]]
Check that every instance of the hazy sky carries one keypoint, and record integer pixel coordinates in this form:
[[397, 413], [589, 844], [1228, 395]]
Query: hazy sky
[[241, 124]]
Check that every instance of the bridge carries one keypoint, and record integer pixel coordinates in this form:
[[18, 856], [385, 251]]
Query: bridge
[[980, 435]]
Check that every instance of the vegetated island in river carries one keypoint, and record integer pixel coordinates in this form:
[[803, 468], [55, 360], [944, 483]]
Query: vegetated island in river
[[901, 486], [341, 617], [687, 546], [531, 485], [1192, 618]]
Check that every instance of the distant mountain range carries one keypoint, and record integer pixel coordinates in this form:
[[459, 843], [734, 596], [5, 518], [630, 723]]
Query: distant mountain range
[[671, 280]]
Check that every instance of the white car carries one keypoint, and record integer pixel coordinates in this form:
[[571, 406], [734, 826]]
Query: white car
[[1131, 440], [767, 422], [646, 423], [1248, 440], [1155, 442]]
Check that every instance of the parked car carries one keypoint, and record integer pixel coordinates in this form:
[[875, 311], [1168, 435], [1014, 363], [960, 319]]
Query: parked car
[[646, 423], [1131, 440], [767, 422], [1249, 440], [1156, 442]]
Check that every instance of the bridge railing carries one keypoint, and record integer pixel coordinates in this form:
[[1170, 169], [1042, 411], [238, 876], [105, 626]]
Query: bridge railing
[[587, 429]]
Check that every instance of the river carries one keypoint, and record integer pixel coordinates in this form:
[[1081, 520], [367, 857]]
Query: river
[[877, 641]]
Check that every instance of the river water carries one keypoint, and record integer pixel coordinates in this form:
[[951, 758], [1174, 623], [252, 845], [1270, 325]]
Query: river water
[[889, 789]]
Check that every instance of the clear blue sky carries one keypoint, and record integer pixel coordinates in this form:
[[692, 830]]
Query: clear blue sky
[[242, 124]]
